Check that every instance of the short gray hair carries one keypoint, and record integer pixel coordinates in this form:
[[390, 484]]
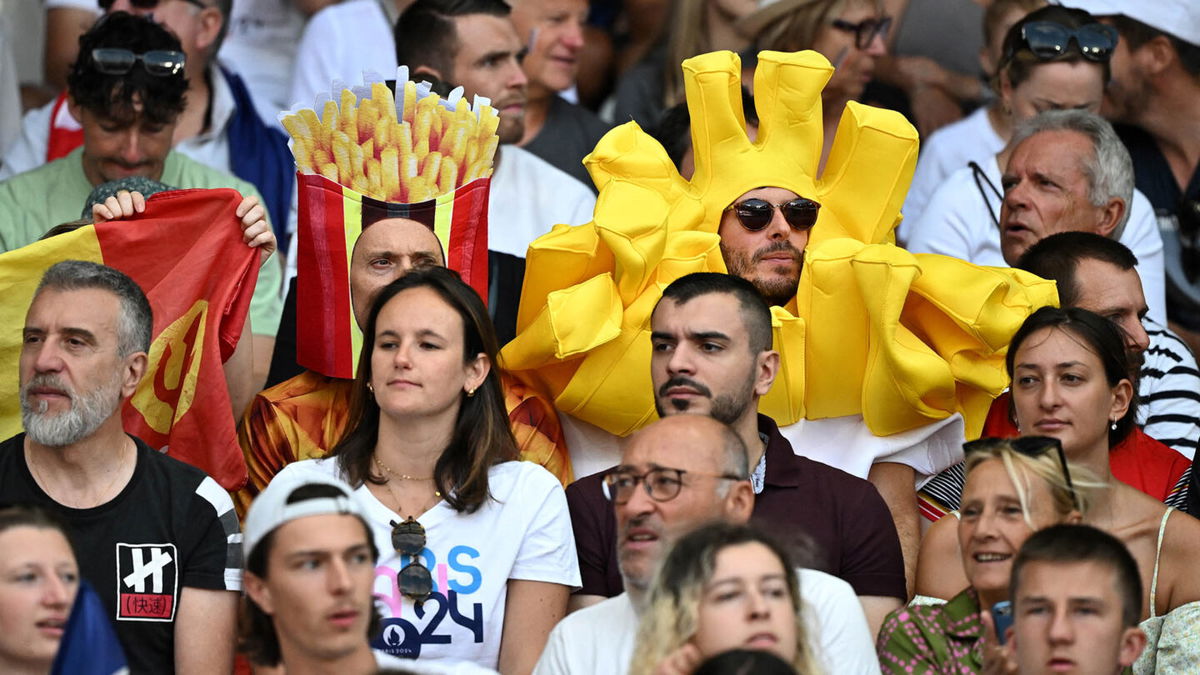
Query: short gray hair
[[135, 323], [1109, 170]]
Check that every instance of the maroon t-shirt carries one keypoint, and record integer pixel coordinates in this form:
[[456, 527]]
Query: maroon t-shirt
[[841, 518]]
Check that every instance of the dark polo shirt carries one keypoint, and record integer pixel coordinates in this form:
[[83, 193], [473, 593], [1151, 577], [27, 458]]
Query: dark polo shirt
[[841, 518]]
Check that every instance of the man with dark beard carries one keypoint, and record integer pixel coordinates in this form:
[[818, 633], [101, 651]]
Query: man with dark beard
[[156, 538], [763, 236], [712, 356]]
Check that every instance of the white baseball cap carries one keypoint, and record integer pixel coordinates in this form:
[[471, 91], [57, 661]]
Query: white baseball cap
[[271, 508], [1180, 18]]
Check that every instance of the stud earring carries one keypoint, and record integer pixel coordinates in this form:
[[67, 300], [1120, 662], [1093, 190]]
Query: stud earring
[[1114, 426], [370, 387], [470, 392]]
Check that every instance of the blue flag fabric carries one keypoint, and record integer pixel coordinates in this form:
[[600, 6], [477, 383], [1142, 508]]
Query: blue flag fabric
[[89, 645]]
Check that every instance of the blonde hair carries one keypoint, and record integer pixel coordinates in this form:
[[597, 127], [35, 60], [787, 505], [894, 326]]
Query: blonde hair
[[672, 612], [798, 28], [1021, 468]]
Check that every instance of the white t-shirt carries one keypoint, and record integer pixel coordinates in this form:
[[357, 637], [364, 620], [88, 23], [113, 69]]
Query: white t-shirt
[[959, 222], [971, 139], [339, 43], [601, 638], [524, 533]]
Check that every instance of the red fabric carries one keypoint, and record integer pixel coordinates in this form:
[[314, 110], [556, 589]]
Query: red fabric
[[1138, 461], [186, 253], [62, 140]]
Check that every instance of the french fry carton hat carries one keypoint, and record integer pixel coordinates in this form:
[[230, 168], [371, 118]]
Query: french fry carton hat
[[873, 330], [377, 156]]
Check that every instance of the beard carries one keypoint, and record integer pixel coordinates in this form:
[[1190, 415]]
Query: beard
[[87, 412], [778, 290], [724, 408]]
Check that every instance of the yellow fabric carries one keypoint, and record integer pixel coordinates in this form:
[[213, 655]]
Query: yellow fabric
[[21, 271], [902, 339]]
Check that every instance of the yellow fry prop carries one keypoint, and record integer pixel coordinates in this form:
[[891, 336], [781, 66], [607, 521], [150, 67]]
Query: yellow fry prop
[[901, 339]]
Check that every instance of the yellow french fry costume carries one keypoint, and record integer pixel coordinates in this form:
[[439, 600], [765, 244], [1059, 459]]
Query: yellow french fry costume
[[902, 340]]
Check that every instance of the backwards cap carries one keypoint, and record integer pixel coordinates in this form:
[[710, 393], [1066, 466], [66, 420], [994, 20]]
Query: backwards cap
[[270, 509]]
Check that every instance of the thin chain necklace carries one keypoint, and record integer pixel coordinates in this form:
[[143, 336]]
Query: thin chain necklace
[[38, 478], [387, 484]]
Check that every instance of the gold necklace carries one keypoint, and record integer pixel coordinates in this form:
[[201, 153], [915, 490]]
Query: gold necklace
[[402, 476]]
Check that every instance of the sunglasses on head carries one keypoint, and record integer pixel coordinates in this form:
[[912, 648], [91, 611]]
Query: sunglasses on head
[[865, 30], [106, 5], [755, 214], [1030, 446], [159, 62], [414, 580], [1047, 40]]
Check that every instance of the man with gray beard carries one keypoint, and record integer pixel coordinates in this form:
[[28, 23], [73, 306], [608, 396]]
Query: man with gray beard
[[156, 538]]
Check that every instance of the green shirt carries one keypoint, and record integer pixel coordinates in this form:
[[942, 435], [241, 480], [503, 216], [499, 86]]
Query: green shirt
[[35, 201]]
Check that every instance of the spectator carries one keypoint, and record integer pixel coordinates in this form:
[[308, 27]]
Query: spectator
[[1086, 158], [1153, 96], [712, 355], [38, 581], [980, 136], [692, 470], [310, 564], [851, 34], [1076, 594], [218, 126], [429, 439], [722, 587], [1070, 374], [343, 41], [558, 131], [1014, 488], [163, 573], [128, 110], [1097, 274]]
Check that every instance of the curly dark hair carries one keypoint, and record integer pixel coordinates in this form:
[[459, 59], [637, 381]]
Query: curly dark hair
[[113, 97]]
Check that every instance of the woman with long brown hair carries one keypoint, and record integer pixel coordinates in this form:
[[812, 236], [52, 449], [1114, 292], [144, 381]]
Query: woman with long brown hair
[[471, 537]]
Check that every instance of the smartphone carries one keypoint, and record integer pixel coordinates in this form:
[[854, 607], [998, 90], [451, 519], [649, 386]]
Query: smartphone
[[1002, 617]]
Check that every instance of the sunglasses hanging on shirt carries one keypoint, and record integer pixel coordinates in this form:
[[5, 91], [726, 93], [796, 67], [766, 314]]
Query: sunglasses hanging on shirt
[[414, 580]]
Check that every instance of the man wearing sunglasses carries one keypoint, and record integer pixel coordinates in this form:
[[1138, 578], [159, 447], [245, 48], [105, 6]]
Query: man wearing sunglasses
[[676, 475], [712, 356]]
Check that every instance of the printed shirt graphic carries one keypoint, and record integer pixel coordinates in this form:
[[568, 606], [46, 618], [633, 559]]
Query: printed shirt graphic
[[523, 533], [170, 528]]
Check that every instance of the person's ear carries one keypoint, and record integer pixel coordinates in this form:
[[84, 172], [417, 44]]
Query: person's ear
[[766, 369], [211, 20], [1133, 641], [1110, 216], [134, 368], [1122, 397], [256, 589], [1006, 91], [739, 502], [1156, 55], [477, 371]]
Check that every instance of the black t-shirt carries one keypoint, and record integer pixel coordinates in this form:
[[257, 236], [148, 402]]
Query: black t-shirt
[[1151, 173], [172, 526], [569, 134], [841, 517]]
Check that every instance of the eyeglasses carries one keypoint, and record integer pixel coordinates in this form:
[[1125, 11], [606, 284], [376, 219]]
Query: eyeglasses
[[146, 4], [1030, 446], [160, 63], [1047, 40], [755, 214], [865, 30], [414, 580], [661, 483]]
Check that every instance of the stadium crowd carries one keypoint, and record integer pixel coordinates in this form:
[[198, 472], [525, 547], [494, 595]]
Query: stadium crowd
[[664, 337]]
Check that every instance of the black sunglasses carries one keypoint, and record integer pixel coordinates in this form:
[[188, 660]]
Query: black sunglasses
[[1048, 40], [865, 30], [414, 580], [1030, 446], [145, 4], [159, 62], [755, 214]]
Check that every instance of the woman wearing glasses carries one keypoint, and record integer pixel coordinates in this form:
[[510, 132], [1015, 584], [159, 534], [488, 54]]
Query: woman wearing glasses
[[1013, 489], [850, 33], [1070, 379], [479, 554], [722, 587]]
